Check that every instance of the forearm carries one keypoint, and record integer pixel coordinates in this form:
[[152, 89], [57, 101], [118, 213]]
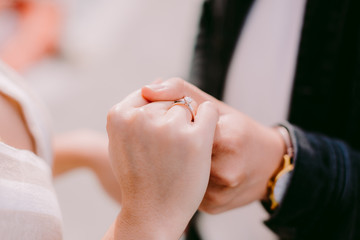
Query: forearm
[[81, 148], [323, 191], [66, 159]]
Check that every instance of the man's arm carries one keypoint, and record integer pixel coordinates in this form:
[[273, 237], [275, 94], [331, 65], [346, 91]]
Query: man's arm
[[322, 199]]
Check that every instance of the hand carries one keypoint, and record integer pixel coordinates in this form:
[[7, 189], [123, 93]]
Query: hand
[[89, 149], [245, 153], [162, 162]]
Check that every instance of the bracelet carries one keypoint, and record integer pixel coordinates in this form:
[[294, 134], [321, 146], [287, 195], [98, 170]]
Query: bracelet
[[287, 167], [286, 137]]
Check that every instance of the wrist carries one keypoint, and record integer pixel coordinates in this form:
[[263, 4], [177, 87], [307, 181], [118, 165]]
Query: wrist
[[140, 225], [277, 149], [278, 182]]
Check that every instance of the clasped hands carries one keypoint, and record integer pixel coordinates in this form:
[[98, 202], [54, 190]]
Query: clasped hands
[[169, 166]]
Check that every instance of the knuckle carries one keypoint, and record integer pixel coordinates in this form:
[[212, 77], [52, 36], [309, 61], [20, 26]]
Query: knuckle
[[165, 131], [166, 125], [227, 176], [112, 116], [231, 179], [174, 131], [211, 204], [118, 117], [177, 81]]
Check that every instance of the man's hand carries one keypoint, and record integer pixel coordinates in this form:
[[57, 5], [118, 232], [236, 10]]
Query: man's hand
[[245, 153]]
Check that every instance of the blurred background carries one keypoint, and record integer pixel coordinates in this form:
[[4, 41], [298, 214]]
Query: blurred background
[[94, 53]]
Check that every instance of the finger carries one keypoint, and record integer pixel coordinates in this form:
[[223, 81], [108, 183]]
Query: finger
[[182, 112], [206, 119], [126, 107], [156, 109], [134, 100], [173, 89]]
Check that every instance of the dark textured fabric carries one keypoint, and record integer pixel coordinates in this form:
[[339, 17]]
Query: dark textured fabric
[[326, 91], [219, 29], [322, 200]]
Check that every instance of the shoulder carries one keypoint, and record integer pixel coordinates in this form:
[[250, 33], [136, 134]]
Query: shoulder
[[13, 128]]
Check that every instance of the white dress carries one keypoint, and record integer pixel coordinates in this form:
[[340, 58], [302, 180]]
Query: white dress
[[28, 205]]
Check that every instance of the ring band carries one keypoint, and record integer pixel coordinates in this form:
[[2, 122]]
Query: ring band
[[186, 101]]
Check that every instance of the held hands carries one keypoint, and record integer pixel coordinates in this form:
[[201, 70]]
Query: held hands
[[245, 153], [162, 162]]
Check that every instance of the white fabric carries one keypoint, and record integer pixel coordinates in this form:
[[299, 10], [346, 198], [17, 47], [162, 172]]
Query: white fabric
[[28, 198], [36, 116], [28, 204], [260, 76], [259, 84]]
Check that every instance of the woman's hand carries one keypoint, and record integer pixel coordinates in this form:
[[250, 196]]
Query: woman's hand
[[162, 162]]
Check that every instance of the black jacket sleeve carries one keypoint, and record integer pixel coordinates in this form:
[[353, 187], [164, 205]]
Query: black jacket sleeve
[[322, 199]]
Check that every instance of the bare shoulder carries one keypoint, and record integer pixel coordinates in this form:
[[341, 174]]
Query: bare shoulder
[[13, 128]]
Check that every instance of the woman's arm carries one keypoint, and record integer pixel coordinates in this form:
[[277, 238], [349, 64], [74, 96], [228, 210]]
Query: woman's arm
[[86, 149]]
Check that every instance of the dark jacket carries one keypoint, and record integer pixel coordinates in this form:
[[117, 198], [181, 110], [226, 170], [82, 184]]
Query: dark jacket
[[323, 198]]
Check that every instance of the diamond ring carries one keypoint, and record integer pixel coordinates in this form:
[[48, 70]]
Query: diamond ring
[[186, 101]]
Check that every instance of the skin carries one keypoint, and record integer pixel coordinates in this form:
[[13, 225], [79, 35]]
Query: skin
[[162, 162], [13, 130], [86, 149], [245, 154], [35, 37]]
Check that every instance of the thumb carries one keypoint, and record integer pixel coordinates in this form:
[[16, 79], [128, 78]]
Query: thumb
[[174, 89]]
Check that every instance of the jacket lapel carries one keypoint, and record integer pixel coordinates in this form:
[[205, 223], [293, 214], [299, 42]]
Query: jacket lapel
[[220, 26]]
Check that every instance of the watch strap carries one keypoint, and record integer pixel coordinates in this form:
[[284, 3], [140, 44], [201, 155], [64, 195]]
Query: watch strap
[[287, 167]]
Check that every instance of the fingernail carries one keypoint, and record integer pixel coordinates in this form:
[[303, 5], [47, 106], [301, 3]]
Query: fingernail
[[156, 86]]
